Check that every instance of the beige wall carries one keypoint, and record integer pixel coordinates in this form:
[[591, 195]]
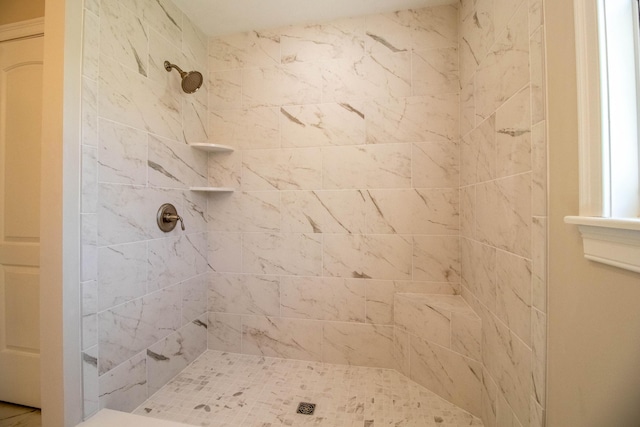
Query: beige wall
[[14, 11], [594, 315]]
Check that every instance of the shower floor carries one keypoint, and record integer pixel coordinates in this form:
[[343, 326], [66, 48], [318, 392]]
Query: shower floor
[[224, 389]]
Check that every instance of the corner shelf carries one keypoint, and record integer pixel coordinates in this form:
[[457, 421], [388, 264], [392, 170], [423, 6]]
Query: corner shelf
[[213, 189], [212, 148]]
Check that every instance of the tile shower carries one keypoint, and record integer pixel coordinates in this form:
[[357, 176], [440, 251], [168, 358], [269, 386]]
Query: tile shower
[[375, 158]]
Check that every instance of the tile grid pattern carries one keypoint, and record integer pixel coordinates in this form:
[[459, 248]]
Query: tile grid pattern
[[144, 292], [503, 201], [221, 389]]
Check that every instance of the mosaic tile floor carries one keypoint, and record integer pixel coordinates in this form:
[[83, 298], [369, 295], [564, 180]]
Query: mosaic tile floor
[[232, 390]]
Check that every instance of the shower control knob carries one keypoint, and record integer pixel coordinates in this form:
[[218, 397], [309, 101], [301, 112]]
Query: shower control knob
[[168, 218]]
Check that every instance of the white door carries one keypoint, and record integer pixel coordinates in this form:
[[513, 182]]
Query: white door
[[20, 129]]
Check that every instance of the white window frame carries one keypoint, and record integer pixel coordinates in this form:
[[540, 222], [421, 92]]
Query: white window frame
[[610, 231]]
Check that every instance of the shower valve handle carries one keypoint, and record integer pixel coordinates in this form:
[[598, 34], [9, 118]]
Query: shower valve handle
[[167, 217]]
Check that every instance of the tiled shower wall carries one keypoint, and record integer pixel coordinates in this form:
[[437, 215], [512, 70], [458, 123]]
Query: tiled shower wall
[[144, 291], [347, 179], [503, 201]]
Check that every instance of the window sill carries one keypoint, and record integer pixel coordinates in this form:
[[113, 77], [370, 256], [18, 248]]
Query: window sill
[[612, 241]]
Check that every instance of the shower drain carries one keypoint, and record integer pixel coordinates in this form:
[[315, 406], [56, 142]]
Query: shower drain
[[305, 408]]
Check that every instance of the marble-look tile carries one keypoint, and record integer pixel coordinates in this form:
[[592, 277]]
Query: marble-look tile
[[90, 393], [513, 286], [513, 135], [173, 164], [194, 298], [508, 361], [244, 294], [466, 334], [125, 387], [436, 258], [446, 373], [417, 211], [357, 344], [369, 166], [478, 154], [538, 415], [253, 128], [225, 169], [122, 274], [539, 357], [316, 125], [294, 83], [89, 190], [161, 49], [489, 396], [388, 33], [342, 38], [468, 212], [287, 254], [539, 263], [476, 35], [538, 83], [427, 118], [131, 327], [89, 291], [89, 330], [194, 211], [194, 43], [225, 90], [133, 100], [244, 211], [89, 111], [89, 250], [503, 11], [467, 108], [122, 154], [123, 36], [367, 256], [539, 169], [224, 332], [368, 77], [435, 71], [174, 259], [340, 211], [250, 49], [225, 252], [504, 415], [281, 337], [323, 298], [424, 318], [164, 16], [93, 6], [435, 165], [479, 271], [195, 117], [286, 169], [505, 68], [90, 43], [536, 15], [169, 356], [401, 351]]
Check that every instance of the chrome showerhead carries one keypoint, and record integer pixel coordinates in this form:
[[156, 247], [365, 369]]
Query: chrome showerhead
[[191, 81]]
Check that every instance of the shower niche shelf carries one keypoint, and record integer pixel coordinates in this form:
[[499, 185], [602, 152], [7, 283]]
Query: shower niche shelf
[[213, 189], [212, 148]]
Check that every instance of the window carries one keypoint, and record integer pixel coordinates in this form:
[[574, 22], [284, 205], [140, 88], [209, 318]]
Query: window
[[608, 65]]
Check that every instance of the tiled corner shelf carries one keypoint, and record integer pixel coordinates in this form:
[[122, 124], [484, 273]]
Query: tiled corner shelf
[[213, 189], [212, 148]]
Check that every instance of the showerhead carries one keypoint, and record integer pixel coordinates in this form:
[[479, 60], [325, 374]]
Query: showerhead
[[191, 81]]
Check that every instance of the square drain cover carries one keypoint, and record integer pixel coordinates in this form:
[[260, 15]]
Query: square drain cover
[[306, 408]]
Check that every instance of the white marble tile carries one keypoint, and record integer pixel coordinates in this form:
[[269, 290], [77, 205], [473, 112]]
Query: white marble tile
[[417, 211], [89, 330], [447, 374], [476, 35], [401, 351], [280, 337], [89, 250], [286, 169], [89, 318], [435, 165], [539, 263], [342, 38], [90, 44], [388, 33], [539, 358], [468, 212], [323, 298], [250, 49], [244, 211], [287, 254], [367, 256], [427, 118], [224, 332], [539, 169], [169, 356], [467, 108], [316, 125], [122, 274], [195, 119], [436, 258], [89, 190], [357, 344], [513, 135], [175, 259], [125, 387], [435, 71], [504, 415], [244, 294], [489, 396], [247, 128], [536, 15], [90, 393], [194, 211], [161, 49], [173, 164], [194, 298], [123, 36], [131, 327], [478, 154], [434, 27], [164, 16], [294, 83], [513, 302], [122, 154], [225, 90], [538, 415], [466, 334], [225, 169], [323, 211], [423, 318], [503, 11], [369, 166], [194, 43], [479, 271], [225, 252], [89, 125]]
